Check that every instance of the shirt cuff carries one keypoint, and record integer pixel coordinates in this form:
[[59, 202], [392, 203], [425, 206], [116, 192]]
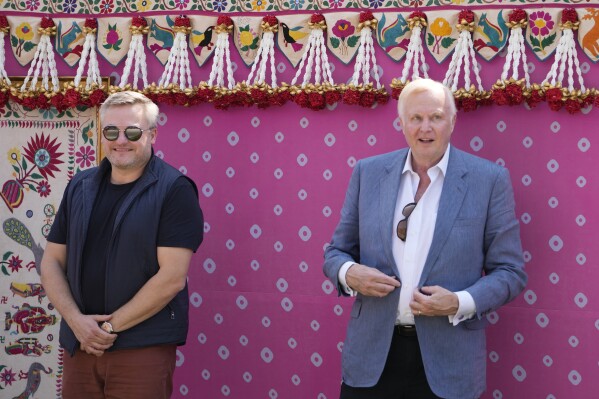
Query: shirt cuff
[[341, 276], [466, 308]]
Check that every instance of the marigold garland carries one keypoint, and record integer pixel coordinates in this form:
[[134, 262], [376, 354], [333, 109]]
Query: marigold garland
[[514, 90]]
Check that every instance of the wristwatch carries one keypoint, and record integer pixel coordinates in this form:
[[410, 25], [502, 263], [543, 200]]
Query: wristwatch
[[106, 326]]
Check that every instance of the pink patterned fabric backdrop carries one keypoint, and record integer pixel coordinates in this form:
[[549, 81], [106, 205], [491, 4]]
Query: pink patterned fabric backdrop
[[265, 322]]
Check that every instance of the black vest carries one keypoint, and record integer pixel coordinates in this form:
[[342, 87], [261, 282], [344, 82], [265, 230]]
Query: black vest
[[131, 258]]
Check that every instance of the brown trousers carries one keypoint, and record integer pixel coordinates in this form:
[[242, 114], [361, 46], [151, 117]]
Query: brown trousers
[[123, 374]]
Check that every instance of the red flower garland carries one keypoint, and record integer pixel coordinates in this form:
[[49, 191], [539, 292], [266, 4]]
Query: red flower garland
[[183, 22], [91, 23], [4, 23], [366, 16], [224, 20], [270, 20], [517, 15], [466, 16], [569, 15], [139, 22], [47, 23], [316, 18]]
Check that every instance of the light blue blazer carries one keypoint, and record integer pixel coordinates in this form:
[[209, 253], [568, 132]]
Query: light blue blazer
[[476, 247]]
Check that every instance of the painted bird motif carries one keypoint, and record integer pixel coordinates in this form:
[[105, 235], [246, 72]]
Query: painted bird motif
[[202, 40], [389, 35], [18, 232], [292, 35], [34, 379]]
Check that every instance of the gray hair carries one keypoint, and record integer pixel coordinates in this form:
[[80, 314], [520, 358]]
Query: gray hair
[[425, 85], [122, 98]]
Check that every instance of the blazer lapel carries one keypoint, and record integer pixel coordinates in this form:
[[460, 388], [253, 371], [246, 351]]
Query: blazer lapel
[[388, 190], [452, 196]]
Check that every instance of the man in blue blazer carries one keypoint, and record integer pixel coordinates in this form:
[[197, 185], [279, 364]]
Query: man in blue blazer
[[429, 244]]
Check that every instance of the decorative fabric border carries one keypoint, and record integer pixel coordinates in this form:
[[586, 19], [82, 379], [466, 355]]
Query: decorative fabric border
[[177, 6]]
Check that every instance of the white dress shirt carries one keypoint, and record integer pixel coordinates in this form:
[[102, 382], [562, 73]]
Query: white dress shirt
[[411, 255]]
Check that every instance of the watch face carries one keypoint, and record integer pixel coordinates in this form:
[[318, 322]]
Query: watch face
[[106, 326]]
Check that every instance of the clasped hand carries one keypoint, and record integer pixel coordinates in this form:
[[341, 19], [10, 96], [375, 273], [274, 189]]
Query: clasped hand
[[93, 339]]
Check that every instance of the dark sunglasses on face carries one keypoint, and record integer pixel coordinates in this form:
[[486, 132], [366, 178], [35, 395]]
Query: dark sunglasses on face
[[402, 226], [133, 133]]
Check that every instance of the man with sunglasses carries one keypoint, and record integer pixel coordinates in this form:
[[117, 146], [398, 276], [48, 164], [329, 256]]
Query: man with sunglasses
[[116, 261], [429, 244]]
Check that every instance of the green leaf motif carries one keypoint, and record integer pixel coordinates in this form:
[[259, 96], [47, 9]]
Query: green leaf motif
[[335, 42], [36, 176], [244, 28], [16, 168], [14, 41], [6, 273], [352, 41], [32, 187], [430, 39], [24, 163], [107, 46], [28, 46], [548, 41], [534, 41], [4, 257], [245, 48], [447, 42]]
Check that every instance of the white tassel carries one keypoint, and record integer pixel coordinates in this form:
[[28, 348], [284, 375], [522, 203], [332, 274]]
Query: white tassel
[[222, 58], [178, 60], [3, 76], [89, 48], [316, 57], [415, 53], [44, 59], [136, 55]]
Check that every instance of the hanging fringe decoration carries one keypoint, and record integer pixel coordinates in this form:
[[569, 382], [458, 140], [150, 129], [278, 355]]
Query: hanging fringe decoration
[[4, 80], [514, 91], [364, 93], [92, 93], [29, 95], [260, 93], [229, 94], [136, 57], [323, 91], [414, 55], [174, 86], [470, 96], [566, 57]]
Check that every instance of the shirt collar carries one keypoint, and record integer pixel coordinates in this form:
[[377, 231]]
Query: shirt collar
[[441, 165]]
